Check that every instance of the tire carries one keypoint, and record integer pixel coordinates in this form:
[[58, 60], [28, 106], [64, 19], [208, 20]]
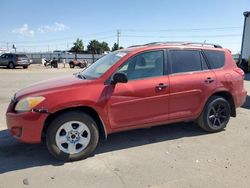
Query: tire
[[60, 140], [11, 65], [25, 67], [71, 65], [81, 65], [215, 115]]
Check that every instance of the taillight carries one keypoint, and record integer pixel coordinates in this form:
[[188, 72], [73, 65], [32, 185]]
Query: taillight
[[239, 71]]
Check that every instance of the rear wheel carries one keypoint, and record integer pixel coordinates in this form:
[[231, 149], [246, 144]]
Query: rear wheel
[[215, 115], [72, 136], [81, 65], [11, 65], [25, 67], [71, 65]]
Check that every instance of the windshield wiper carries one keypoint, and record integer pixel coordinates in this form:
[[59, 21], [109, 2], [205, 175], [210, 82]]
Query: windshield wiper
[[79, 75]]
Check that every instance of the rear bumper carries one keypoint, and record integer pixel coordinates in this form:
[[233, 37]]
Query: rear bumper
[[26, 127], [22, 64], [240, 98]]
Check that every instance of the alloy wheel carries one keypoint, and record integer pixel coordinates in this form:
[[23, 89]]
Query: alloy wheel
[[218, 115]]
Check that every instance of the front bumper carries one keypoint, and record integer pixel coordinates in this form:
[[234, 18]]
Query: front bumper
[[27, 126]]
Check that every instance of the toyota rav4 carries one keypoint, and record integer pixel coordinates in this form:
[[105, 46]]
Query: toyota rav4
[[141, 86]]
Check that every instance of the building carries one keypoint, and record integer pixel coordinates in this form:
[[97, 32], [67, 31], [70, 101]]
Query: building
[[245, 46]]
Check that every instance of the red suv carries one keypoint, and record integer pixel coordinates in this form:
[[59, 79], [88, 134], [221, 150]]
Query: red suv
[[141, 86]]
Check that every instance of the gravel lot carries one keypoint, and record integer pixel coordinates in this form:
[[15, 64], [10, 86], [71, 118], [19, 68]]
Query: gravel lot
[[178, 155]]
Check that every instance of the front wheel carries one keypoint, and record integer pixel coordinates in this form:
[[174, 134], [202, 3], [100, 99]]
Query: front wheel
[[25, 67], [72, 136], [215, 115]]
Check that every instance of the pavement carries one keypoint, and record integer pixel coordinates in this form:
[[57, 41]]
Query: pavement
[[176, 155]]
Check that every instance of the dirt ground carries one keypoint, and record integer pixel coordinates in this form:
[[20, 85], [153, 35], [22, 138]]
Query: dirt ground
[[177, 155]]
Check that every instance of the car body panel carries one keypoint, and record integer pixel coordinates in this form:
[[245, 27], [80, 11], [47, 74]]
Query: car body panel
[[138, 102], [188, 93]]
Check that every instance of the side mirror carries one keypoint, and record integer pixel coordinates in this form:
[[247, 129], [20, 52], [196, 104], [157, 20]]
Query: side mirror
[[119, 77]]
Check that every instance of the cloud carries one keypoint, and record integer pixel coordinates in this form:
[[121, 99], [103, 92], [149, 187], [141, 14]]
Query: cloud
[[56, 27], [24, 30]]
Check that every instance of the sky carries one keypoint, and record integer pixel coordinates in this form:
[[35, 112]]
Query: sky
[[48, 25]]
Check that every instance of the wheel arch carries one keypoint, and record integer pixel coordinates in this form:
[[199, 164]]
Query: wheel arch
[[228, 96], [86, 109]]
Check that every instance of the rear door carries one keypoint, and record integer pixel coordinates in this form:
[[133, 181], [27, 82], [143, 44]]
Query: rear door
[[190, 83], [144, 98]]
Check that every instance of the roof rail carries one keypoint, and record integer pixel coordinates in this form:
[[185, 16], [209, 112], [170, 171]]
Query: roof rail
[[137, 45], [179, 43], [204, 44]]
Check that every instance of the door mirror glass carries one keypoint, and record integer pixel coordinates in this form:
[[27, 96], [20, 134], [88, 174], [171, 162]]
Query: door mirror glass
[[119, 77]]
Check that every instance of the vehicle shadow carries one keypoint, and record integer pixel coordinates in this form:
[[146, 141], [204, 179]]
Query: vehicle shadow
[[17, 156], [247, 103], [4, 67]]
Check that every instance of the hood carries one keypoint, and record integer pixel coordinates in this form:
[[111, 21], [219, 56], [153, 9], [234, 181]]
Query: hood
[[52, 84]]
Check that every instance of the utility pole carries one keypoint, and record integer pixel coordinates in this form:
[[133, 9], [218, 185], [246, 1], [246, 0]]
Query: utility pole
[[7, 44], [118, 38]]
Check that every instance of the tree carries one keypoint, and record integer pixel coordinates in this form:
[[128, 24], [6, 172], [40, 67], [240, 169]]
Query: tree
[[77, 47], [104, 47], [95, 47], [116, 47]]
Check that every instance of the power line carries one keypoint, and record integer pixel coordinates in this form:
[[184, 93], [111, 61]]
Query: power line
[[130, 30], [184, 29], [64, 38], [129, 33], [182, 36]]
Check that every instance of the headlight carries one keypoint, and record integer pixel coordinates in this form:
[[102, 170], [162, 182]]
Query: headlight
[[28, 103]]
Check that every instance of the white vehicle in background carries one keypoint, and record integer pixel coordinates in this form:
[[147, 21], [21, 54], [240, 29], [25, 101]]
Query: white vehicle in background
[[3, 50], [245, 46]]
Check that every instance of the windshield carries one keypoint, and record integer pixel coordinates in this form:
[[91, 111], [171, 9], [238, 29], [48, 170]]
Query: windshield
[[98, 68]]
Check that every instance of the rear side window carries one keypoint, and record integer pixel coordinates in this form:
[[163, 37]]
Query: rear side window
[[185, 61], [22, 56], [216, 59], [9, 56]]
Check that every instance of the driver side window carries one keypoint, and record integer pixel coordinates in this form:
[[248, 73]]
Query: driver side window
[[144, 65]]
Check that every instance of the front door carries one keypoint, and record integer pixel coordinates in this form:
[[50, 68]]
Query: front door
[[144, 98]]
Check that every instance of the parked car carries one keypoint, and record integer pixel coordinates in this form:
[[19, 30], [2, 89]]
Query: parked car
[[142, 86], [11, 60], [79, 63]]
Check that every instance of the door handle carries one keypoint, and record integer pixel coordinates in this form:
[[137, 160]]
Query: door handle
[[161, 86], [209, 80]]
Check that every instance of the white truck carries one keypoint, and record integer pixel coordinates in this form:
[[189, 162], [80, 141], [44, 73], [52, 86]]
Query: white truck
[[245, 46]]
